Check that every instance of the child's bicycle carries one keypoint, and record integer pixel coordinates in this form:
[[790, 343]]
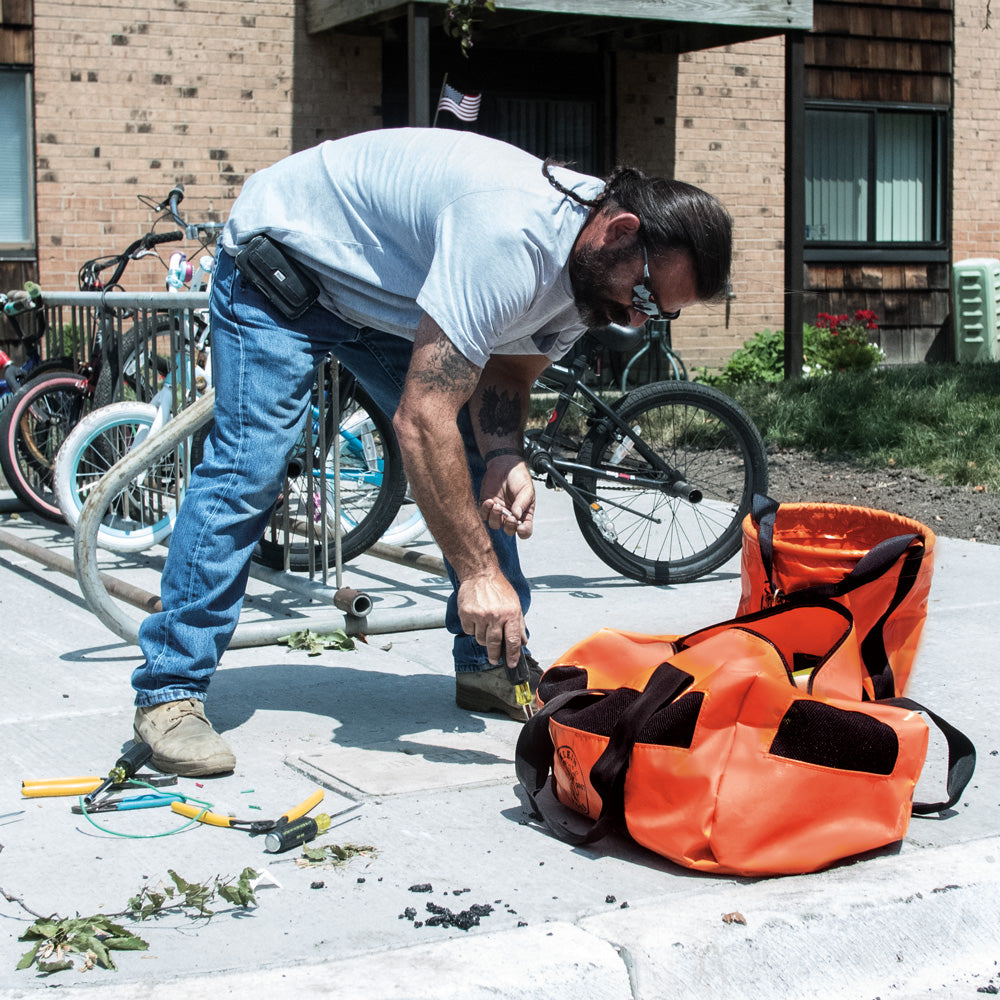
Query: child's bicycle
[[122, 361], [660, 477], [142, 514]]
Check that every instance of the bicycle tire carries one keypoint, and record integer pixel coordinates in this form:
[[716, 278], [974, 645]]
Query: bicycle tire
[[660, 537], [407, 526], [143, 513], [372, 488], [141, 374], [32, 429]]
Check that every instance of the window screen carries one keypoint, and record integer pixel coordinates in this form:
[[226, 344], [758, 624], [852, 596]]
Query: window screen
[[16, 229]]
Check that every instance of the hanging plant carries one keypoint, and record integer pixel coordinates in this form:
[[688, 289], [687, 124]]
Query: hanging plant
[[460, 16]]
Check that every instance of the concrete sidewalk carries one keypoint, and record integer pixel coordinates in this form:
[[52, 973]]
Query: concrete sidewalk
[[431, 790]]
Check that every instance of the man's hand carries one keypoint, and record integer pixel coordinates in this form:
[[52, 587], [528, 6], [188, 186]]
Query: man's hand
[[489, 610], [507, 497]]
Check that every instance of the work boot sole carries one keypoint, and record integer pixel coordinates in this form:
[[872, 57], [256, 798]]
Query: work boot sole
[[482, 702], [219, 763]]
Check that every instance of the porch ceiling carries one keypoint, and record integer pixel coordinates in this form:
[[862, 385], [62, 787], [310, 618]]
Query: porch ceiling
[[659, 25]]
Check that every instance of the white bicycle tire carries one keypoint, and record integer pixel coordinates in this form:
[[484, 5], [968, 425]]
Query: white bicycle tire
[[408, 526], [116, 536]]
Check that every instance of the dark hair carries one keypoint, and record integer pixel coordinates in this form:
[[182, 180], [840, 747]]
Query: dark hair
[[673, 215]]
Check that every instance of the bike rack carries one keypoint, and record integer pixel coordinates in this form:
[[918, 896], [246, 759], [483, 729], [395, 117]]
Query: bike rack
[[354, 607], [100, 590]]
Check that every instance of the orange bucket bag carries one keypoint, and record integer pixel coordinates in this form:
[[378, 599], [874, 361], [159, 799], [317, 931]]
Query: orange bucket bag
[[877, 564], [744, 748]]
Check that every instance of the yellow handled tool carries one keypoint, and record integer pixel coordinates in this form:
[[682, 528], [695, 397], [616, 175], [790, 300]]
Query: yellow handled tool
[[44, 787], [249, 825]]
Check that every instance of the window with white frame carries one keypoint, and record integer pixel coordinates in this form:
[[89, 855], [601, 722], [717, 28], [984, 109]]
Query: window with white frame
[[17, 230], [874, 177]]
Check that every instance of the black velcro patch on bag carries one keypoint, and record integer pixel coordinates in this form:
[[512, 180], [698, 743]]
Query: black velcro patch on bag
[[816, 733], [559, 679], [599, 716], [673, 726]]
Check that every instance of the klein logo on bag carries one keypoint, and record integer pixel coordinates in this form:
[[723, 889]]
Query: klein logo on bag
[[577, 785]]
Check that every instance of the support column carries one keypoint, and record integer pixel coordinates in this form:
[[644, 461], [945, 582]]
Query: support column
[[795, 200], [418, 64]]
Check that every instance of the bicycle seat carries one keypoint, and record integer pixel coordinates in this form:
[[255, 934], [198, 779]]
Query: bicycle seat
[[618, 338]]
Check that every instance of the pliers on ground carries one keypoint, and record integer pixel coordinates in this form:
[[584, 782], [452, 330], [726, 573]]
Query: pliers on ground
[[123, 803], [203, 815]]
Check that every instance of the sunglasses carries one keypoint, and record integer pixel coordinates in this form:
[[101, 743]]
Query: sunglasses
[[643, 297]]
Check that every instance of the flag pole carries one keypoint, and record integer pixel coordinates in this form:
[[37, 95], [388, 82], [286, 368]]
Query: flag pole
[[437, 110]]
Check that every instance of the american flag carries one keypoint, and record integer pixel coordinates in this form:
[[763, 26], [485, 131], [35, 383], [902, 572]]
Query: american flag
[[463, 106]]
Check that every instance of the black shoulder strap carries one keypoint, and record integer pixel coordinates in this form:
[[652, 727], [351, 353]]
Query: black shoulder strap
[[533, 757], [961, 758]]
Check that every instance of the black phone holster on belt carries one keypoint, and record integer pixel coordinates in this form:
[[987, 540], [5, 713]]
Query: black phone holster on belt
[[264, 264]]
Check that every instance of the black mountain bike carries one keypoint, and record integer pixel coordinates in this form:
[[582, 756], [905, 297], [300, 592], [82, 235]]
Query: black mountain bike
[[660, 478]]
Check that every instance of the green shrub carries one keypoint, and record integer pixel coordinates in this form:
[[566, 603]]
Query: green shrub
[[832, 344], [839, 344]]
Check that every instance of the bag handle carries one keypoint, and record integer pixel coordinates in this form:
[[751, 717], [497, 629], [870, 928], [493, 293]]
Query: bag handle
[[533, 759], [534, 753], [961, 758]]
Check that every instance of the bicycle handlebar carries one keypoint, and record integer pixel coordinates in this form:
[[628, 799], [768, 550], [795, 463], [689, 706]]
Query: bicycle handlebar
[[88, 273]]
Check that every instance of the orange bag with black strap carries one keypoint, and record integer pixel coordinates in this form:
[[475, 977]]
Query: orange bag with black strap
[[875, 563], [743, 748]]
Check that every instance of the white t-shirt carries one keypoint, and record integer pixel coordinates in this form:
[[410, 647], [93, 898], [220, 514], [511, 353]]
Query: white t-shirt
[[398, 222]]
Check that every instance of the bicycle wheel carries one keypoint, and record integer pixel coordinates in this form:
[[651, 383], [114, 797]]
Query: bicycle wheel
[[140, 359], [32, 429], [141, 514], [407, 526], [372, 487], [649, 533]]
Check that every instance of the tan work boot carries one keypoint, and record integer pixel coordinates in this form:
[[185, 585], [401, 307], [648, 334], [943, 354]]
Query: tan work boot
[[182, 739], [490, 691]]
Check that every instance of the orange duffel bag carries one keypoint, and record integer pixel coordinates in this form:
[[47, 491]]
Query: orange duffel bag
[[743, 748], [877, 564]]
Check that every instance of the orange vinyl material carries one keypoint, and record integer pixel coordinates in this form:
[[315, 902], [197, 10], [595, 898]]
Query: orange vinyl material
[[727, 803], [817, 544]]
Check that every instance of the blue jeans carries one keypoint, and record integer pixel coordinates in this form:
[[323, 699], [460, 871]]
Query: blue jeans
[[263, 368]]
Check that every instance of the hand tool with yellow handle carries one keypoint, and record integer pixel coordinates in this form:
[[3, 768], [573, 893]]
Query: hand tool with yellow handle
[[299, 831], [38, 788], [249, 825], [519, 677], [125, 768]]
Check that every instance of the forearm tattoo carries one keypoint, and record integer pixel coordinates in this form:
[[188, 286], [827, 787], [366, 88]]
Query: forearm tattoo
[[499, 413], [446, 369]]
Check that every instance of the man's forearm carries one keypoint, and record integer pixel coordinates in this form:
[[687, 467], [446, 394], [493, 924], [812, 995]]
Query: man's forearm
[[438, 476]]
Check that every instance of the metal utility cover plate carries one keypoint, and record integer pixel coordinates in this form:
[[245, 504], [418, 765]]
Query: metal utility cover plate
[[422, 762]]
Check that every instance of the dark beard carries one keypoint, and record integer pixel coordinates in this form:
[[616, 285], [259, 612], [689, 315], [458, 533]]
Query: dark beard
[[588, 272]]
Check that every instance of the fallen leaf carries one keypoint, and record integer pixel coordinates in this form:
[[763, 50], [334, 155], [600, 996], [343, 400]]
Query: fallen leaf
[[734, 918]]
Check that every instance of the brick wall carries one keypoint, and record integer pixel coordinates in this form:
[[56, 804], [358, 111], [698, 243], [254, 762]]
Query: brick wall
[[730, 141], [133, 100], [976, 212]]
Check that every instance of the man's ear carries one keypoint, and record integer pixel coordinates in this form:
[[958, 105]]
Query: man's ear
[[620, 229]]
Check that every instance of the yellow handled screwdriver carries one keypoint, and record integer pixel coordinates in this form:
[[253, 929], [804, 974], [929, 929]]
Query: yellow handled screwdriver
[[519, 677], [131, 761]]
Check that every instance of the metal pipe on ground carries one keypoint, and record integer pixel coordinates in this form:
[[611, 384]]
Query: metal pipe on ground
[[133, 595], [407, 557]]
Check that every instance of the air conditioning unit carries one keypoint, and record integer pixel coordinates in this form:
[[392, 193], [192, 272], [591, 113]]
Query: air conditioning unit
[[976, 287]]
